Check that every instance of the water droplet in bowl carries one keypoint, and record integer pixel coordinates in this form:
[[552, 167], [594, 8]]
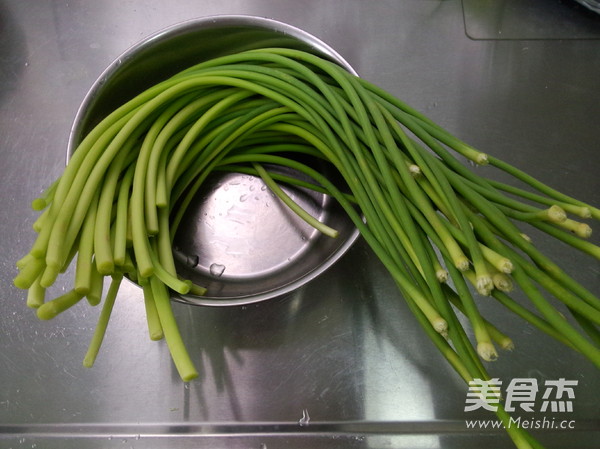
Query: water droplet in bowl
[[217, 269], [304, 421]]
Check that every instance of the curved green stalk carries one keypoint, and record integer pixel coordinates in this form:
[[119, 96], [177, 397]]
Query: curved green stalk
[[103, 319]]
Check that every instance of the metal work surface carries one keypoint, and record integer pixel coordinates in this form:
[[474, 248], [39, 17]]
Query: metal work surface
[[340, 362]]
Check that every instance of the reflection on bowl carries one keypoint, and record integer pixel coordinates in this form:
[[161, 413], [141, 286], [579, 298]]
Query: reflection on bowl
[[593, 5], [236, 238]]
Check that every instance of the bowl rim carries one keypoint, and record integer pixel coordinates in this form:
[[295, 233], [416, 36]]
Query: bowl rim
[[181, 28]]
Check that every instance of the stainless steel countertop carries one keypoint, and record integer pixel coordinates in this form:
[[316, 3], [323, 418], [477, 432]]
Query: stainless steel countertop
[[344, 349]]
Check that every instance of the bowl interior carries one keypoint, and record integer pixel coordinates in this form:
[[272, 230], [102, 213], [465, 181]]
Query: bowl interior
[[236, 238]]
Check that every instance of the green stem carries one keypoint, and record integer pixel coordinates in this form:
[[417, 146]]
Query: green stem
[[181, 358], [103, 319], [295, 207], [51, 309]]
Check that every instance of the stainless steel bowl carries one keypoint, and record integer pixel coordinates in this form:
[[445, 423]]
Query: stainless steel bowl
[[593, 5], [237, 239]]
